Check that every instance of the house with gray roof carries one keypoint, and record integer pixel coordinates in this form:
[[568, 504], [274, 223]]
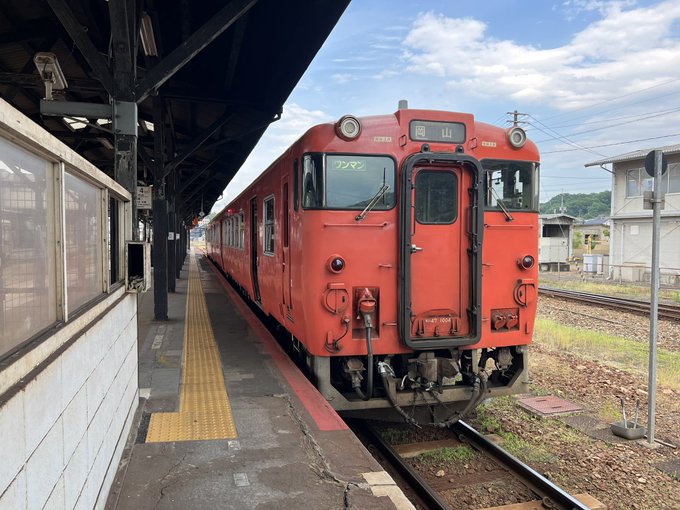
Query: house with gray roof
[[630, 246]]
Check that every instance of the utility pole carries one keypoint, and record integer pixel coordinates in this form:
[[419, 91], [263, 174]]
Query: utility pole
[[515, 118], [655, 165]]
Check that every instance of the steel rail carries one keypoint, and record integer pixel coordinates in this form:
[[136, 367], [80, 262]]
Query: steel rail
[[428, 496], [552, 495], [633, 305]]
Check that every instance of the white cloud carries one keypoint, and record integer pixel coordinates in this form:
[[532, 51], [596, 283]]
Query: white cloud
[[603, 60], [343, 77], [278, 137]]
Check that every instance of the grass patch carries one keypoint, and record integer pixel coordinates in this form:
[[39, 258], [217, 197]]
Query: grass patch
[[533, 450], [627, 354], [459, 454], [526, 451], [394, 435]]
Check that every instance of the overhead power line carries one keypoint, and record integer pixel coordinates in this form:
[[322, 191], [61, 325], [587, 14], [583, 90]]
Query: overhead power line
[[613, 144]]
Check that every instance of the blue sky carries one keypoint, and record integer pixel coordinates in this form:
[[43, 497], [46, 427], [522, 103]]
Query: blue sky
[[589, 74]]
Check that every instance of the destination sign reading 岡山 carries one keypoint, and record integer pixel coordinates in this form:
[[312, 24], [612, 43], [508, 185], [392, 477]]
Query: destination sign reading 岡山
[[433, 131]]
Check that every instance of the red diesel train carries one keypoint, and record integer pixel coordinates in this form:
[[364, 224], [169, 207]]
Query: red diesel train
[[398, 253]]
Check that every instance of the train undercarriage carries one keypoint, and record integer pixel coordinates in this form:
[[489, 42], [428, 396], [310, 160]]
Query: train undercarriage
[[426, 388]]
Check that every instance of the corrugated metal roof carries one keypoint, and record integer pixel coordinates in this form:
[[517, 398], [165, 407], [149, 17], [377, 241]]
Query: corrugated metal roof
[[556, 215], [668, 149]]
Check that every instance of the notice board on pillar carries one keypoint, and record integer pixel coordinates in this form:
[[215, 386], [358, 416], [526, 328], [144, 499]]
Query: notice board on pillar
[[144, 198]]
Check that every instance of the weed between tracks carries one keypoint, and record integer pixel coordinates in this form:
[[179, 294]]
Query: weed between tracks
[[627, 354], [459, 454]]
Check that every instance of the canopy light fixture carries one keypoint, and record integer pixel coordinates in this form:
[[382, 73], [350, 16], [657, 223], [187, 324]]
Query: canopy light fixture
[[147, 37]]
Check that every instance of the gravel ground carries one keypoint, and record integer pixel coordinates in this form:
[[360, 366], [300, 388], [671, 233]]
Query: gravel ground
[[621, 474]]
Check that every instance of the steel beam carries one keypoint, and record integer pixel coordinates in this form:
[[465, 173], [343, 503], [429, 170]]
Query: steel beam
[[95, 59], [76, 109], [196, 143], [160, 217], [167, 67]]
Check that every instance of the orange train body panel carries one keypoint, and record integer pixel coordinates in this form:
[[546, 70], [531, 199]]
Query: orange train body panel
[[444, 258]]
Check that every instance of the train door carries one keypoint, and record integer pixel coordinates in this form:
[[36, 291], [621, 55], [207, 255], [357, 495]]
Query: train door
[[440, 259], [285, 255], [254, 248]]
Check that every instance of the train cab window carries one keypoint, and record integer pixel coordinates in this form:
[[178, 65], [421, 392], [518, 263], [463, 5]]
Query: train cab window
[[510, 185], [436, 197], [352, 181], [268, 246]]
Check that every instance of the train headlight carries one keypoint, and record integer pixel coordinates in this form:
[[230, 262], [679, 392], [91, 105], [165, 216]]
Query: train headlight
[[336, 264], [526, 262], [348, 127], [517, 137]]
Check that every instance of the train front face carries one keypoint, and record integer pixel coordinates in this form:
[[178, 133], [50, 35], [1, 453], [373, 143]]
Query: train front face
[[420, 236]]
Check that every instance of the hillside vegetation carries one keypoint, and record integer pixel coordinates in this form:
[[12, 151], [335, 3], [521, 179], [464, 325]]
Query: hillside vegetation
[[580, 205]]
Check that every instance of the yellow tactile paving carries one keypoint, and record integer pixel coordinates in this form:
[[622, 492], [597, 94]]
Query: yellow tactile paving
[[204, 410]]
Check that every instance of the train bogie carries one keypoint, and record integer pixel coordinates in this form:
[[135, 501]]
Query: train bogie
[[398, 251]]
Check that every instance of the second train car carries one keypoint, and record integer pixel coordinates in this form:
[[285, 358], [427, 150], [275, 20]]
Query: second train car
[[398, 252]]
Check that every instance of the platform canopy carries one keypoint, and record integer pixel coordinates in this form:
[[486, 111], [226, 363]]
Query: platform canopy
[[207, 77]]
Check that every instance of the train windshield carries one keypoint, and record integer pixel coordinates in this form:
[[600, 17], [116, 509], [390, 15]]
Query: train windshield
[[510, 185], [336, 181]]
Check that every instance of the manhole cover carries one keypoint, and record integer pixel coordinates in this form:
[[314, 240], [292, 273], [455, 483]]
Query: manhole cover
[[549, 405]]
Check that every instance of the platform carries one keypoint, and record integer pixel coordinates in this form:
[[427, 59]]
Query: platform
[[226, 420]]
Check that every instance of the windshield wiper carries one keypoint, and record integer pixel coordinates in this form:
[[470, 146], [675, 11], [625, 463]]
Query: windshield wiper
[[499, 201], [373, 201]]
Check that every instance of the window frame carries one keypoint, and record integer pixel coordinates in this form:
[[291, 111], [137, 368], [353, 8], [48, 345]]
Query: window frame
[[269, 225], [456, 196], [535, 195], [393, 186]]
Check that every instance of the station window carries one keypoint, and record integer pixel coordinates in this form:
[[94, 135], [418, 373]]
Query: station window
[[27, 240], [268, 246], [436, 197], [82, 238], [510, 185]]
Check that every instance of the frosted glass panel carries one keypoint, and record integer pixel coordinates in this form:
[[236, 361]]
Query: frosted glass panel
[[27, 255], [83, 241]]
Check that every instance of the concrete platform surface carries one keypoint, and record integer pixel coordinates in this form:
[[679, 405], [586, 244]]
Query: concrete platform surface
[[290, 451]]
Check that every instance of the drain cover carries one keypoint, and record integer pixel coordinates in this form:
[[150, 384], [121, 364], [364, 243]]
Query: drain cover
[[549, 405]]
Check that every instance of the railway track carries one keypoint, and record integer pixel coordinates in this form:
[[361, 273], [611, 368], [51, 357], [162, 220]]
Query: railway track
[[551, 495], [632, 305]]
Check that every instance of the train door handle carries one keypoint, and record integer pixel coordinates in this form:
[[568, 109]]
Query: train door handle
[[415, 248]]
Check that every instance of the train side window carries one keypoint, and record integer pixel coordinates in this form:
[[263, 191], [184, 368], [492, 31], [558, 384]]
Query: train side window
[[436, 197], [242, 230], [285, 212], [268, 220], [312, 181], [296, 186]]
